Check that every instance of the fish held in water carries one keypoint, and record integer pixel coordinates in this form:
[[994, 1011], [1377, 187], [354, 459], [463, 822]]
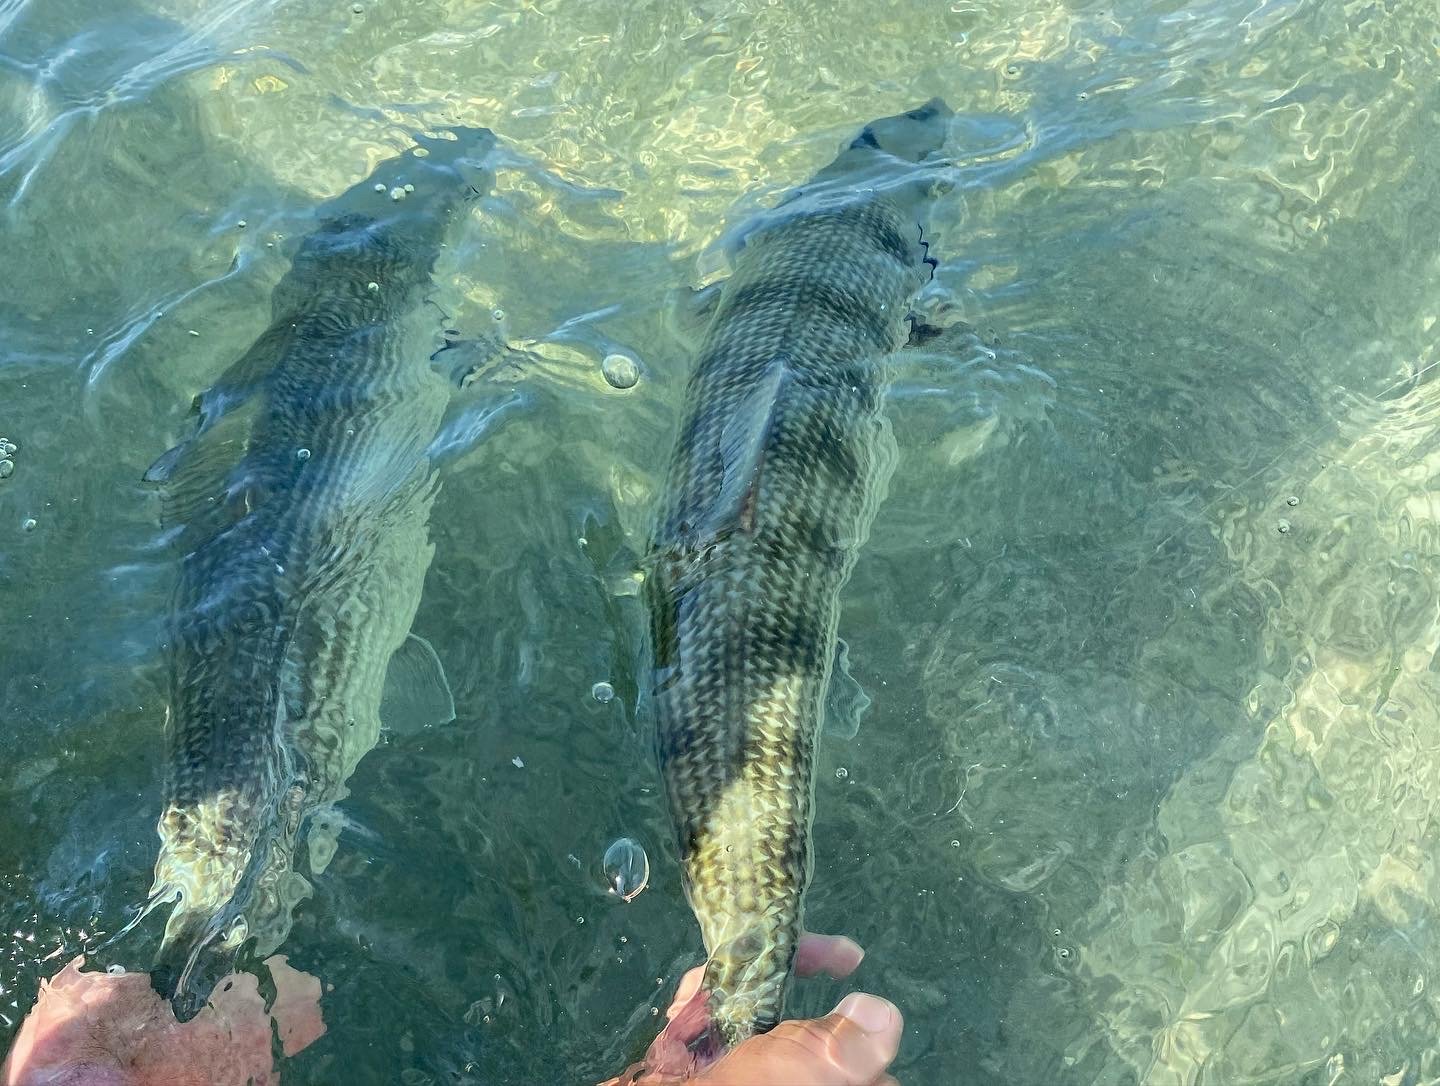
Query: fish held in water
[[782, 456], [301, 508]]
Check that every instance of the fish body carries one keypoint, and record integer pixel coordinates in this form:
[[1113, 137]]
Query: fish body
[[301, 508], [782, 457]]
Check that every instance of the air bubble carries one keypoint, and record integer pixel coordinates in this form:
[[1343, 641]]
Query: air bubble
[[842, 773], [302, 454], [603, 692], [28, 524], [627, 868], [1283, 527], [620, 370]]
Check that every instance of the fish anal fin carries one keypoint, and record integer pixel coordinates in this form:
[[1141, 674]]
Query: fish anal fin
[[416, 694]]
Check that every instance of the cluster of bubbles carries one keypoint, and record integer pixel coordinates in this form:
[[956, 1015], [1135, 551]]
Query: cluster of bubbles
[[7, 457], [399, 192]]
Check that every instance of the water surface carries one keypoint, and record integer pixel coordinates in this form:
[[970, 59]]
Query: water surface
[[1148, 790]]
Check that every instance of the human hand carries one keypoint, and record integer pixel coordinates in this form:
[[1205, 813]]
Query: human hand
[[103, 1029], [851, 1046]]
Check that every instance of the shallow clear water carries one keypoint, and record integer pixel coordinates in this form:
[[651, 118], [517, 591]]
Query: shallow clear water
[[1148, 792]]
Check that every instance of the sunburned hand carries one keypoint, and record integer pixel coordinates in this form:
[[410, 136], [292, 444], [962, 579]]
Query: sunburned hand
[[99, 1029], [851, 1046]]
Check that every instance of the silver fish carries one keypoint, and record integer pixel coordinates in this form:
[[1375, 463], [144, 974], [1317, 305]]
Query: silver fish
[[301, 506], [782, 456]]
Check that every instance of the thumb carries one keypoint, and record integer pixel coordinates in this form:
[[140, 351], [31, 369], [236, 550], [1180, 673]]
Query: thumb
[[850, 1046]]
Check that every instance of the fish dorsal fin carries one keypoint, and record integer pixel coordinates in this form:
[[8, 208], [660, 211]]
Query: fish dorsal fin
[[417, 694], [743, 445]]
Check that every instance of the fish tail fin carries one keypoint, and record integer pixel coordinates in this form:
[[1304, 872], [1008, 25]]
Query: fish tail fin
[[179, 972], [188, 932], [691, 1040]]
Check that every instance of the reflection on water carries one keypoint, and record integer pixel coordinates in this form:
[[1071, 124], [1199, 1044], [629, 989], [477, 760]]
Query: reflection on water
[[1144, 793]]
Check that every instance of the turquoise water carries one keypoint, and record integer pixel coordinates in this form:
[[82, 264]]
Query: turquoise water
[[1148, 790]]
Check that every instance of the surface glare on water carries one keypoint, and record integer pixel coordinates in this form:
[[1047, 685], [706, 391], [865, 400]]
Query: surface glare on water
[[1147, 792]]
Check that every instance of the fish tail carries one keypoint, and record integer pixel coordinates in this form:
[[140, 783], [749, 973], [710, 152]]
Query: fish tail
[[174, 970], [691, 1041]]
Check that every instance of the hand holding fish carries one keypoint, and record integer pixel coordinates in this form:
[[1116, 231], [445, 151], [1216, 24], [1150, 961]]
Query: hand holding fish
[[851, 1046], [93, 1028]]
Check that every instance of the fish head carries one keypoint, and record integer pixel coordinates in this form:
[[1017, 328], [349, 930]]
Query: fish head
[[912, 136], [438, 172], [897, 158], [458, 157], [894, 150], [406, 207]]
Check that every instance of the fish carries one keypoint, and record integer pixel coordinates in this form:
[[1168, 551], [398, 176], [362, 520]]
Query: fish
[[300, 506], [782, 457]]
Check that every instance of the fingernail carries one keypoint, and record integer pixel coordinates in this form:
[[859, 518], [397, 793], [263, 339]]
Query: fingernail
[[870, 1013]]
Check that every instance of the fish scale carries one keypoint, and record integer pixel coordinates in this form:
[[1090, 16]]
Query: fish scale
[[782, 457]]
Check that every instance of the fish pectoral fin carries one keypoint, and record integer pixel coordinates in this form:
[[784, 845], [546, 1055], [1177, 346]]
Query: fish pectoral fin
[[473, 415], [689, 312], [416, 694], [191, 476], [846, 701], [922, 332], [486, 370], [939, 321], [463, 361], [323, 838]]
